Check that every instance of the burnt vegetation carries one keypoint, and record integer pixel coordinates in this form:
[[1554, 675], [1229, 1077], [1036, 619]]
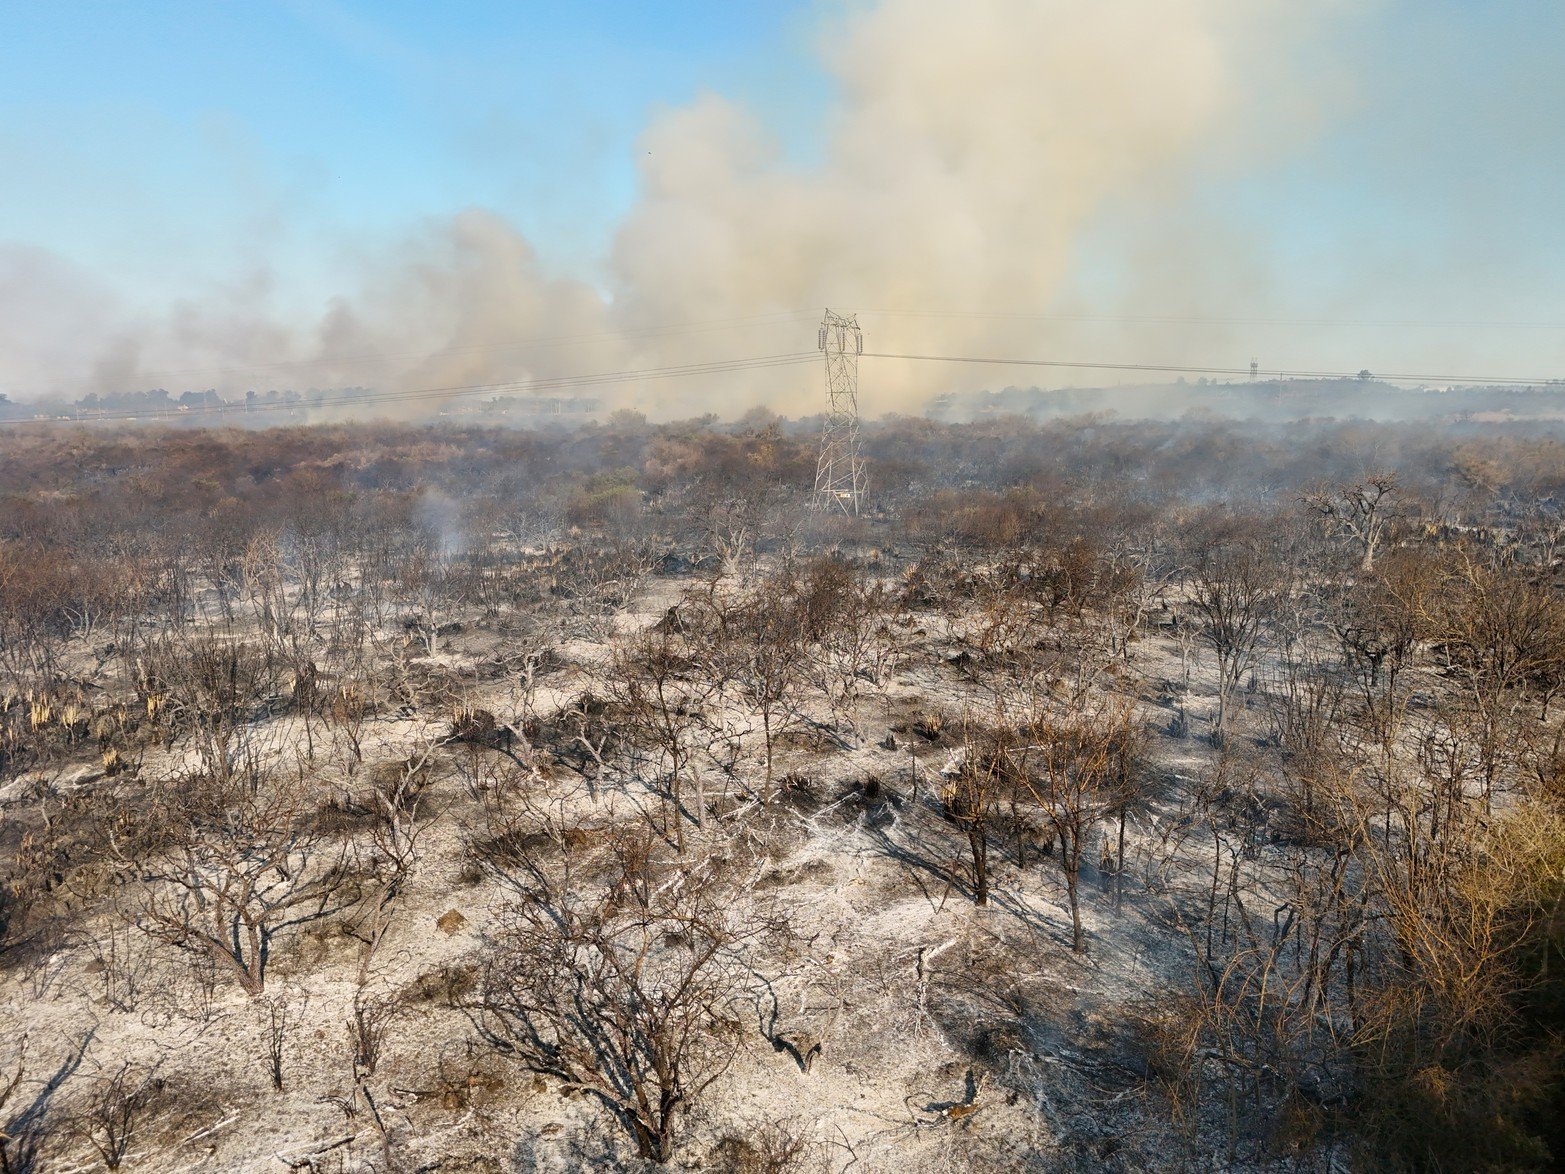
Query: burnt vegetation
[[1113, 795]]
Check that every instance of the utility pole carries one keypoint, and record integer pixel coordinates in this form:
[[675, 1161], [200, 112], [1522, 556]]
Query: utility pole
[[839, 474]]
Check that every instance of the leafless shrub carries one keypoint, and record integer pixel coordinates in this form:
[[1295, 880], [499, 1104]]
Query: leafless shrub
[[664, 687], [463, 1077], [115, 1108], [517, 846], [243, 872], [18, 1150], [494, 781], [1077, 768], [1359, 513], [769, 1147], [399, 789], [279, 1016], [970, 793], [632, 993], [1235, 584], [349, 708], [368, 1024], [480, 727], [209, 690], [120, 962]]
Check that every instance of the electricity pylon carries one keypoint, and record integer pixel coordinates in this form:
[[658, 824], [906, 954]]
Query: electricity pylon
[[839, 474]]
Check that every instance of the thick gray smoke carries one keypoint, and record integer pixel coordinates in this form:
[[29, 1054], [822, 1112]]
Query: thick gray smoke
[[969, 153], [972, 146]]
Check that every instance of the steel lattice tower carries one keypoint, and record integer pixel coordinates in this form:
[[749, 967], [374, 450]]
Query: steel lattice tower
[[839, 475]]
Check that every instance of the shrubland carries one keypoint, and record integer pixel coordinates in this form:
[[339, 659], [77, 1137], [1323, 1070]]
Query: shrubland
[[1110, 795]]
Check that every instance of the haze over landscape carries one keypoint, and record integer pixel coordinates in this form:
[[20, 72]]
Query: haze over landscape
[[393, 197]]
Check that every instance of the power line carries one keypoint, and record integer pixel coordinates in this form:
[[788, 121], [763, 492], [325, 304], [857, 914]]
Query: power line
[[727, 366], [781, 317], [1217, 320], [1170, 368]]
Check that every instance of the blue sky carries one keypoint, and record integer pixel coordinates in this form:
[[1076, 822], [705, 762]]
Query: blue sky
[[1389, 161], [139, 136]]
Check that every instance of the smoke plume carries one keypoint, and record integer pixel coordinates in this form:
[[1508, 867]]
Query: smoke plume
[[968, 154]]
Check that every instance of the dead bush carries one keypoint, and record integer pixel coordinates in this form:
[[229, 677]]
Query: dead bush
[[630, 991], [115, 1109], [479, 727], [768, 1147], [244, 873]]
